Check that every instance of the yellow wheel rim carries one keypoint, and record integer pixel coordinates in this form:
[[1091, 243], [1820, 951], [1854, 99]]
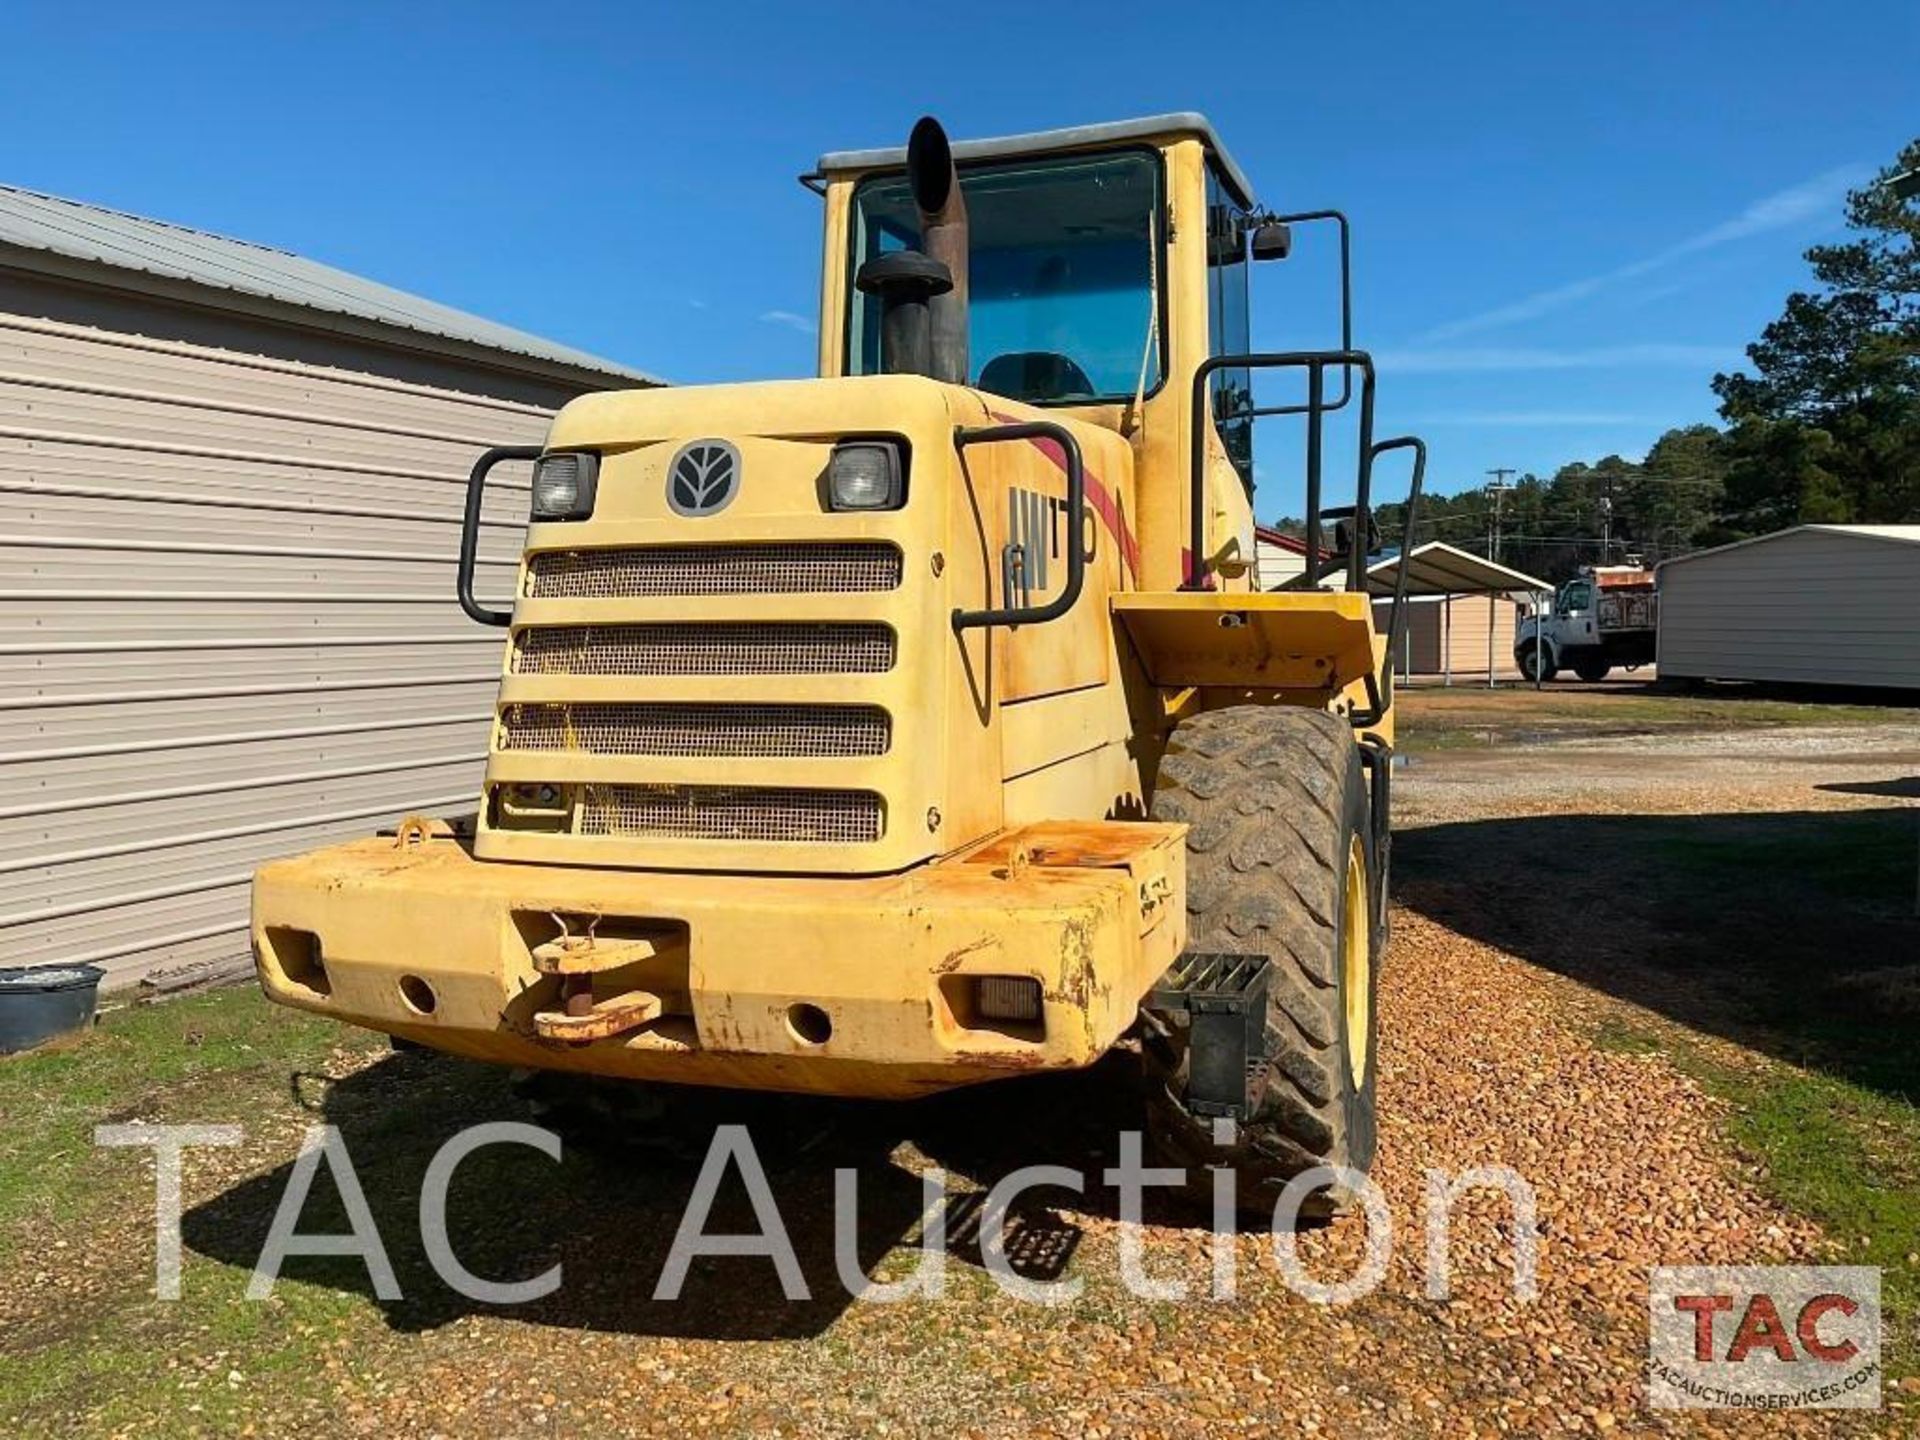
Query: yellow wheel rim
[[1355, 965]]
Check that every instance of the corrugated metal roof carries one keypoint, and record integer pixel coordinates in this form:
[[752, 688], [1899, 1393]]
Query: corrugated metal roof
[[1437, 568], [1910, 534], [31, 220], [1040, 142], [1900, 534]]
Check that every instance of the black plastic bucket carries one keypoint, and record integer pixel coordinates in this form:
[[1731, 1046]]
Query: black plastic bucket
[[43, 1001]]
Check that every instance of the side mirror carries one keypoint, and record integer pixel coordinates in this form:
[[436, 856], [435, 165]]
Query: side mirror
[[1349, 527], [1226, 236], [1272, 241]]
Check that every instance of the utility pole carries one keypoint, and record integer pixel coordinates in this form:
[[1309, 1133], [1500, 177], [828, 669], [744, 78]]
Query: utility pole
[[1494, 489], [1606, 525]]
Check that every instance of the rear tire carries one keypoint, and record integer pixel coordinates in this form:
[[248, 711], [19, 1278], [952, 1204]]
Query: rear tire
[[1592, 671], [1279, 863]]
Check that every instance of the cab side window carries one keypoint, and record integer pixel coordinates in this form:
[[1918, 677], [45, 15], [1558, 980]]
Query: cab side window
[[1227, 328]]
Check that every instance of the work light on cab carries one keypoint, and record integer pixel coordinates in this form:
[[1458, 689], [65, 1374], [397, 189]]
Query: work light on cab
[[865, 475], [563, 485]]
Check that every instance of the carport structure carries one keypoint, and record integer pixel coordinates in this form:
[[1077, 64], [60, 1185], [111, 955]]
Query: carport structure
[[1443, 575]]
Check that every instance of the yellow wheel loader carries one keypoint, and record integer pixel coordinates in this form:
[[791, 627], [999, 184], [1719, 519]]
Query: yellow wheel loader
[[923, 724]]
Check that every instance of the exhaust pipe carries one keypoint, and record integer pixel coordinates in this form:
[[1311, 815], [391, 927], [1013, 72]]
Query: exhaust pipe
[[907, 283], [943, 237]]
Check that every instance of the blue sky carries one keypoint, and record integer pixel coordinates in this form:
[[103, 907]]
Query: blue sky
[[1567, 216]]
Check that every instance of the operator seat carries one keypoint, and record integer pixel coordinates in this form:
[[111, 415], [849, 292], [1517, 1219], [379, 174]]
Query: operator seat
[[1035, 375]]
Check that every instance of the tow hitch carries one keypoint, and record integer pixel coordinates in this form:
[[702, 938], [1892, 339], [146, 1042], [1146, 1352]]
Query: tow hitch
[[576, 959]]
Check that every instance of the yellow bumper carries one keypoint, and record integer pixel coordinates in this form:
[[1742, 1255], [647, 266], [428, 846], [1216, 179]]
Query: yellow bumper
[[853, 986]]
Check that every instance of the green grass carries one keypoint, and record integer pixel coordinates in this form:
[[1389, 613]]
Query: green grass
[[1466, 717], [1843, 1155], [218, 1057], [108, 1365], [1620, 1038], [188, 1060], [1867, 857]]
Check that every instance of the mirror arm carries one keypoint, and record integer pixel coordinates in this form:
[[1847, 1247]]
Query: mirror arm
[[1339, 217]]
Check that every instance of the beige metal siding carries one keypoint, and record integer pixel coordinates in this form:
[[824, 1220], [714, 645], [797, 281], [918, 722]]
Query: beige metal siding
[[1469, 618], [1817, 607], [230, 633], [1274, 565], [1448, 636]]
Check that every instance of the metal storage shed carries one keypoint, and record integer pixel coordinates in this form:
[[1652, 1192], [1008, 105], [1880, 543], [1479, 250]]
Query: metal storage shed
[[1463, 612], [230, 488], [1815, 605]]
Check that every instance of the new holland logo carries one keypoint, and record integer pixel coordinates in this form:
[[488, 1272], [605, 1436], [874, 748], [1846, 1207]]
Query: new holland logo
[[703, 478]]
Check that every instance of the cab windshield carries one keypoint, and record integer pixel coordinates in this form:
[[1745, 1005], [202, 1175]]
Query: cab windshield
[[1576, 597], [1061, 270]]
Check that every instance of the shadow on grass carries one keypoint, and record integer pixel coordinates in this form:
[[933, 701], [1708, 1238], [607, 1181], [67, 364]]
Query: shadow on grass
[[1792, 933], [609, 1211]]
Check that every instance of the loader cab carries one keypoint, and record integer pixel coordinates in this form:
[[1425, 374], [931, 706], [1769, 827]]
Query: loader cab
[[1101, 257], [1065, 303], [1104, 272]]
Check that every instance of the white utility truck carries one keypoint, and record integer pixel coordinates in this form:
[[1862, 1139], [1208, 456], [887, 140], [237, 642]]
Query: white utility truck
[[1605, 616]]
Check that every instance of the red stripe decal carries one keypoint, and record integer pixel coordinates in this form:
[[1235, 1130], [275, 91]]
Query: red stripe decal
[[1098, 496]]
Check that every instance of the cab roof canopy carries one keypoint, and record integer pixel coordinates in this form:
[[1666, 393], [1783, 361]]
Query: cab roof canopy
[[1046, 142]]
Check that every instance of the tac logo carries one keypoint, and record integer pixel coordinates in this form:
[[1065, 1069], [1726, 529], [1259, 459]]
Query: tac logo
[[1764, 1337]]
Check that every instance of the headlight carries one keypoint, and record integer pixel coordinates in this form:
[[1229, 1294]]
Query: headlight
[[563, 485], [866, 475]]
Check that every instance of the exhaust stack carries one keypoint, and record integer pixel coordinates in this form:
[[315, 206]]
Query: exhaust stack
[[943, 237], [907, 283]]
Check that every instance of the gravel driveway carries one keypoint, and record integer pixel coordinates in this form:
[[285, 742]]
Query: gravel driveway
[[1486, 1061]]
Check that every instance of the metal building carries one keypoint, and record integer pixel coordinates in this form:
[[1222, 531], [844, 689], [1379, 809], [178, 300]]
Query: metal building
[[1457, 636], [230, 489], [1815, 605], [1461, 613]]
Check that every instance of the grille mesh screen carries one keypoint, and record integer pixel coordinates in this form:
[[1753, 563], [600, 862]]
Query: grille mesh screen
[[705, 649], [640, 571], [692, 729], [731, 812]]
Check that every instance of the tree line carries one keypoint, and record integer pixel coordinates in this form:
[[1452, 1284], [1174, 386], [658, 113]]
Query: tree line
[[1824, 430]]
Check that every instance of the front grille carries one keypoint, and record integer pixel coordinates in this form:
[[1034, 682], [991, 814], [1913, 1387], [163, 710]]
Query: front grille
[[721, 648], [731, 812], [635, 572], [756, 731]]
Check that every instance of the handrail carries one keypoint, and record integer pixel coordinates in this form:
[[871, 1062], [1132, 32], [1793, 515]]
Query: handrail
[[1380, 698], [470, 529], [1315, 363], [1076, 508]]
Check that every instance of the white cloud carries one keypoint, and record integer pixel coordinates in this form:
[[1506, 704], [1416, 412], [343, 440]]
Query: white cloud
[[789, 318], [1526, 357], [1808, 200]]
